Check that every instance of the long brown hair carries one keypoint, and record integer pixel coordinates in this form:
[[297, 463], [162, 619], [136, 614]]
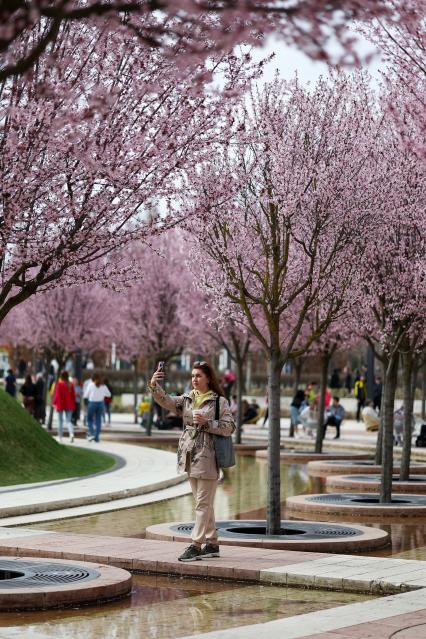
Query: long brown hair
[[213, 380]]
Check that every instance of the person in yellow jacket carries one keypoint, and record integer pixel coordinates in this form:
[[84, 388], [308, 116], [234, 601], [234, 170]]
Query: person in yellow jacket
[[360, 392]]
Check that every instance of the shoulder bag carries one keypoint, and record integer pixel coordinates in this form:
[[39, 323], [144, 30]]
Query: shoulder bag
[[223, 445]]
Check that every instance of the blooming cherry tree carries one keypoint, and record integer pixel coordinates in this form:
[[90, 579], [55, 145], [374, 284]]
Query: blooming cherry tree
[[238, 342], [149, 313], [59, 322], [393, 278], [339, 334], [87, 149], [206, 334], [281, 219], [197, 28], [403, 47]]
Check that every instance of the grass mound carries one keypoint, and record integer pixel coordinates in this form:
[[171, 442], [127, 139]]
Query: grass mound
[[29, 454]]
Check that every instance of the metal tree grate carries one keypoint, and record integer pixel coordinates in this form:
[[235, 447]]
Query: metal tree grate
[[290, 530], [350, 499], [36, 574]]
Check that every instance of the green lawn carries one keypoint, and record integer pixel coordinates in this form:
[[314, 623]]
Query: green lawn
[[29, 454]]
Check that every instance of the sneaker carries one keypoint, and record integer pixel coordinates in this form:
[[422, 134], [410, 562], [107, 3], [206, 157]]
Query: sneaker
[[71, 439], [210, 550], [192, 553], [90, 438]]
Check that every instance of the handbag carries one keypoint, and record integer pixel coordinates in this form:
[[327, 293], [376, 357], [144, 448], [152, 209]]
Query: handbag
[[223, 446]]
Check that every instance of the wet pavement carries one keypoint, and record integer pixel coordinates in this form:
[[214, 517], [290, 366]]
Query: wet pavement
[[242, 495], [167, 608], [163, 608]]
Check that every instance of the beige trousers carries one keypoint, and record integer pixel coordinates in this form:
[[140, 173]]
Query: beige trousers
[[204, 529]]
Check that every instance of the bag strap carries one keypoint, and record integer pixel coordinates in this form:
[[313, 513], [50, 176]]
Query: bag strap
[[217, 411]]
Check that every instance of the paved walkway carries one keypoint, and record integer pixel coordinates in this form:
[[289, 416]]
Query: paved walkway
[[139, 471], [378, 618], [351, 430], [353, 436]]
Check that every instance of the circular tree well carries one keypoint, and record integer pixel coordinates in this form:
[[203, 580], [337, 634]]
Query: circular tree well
[[300, 535]]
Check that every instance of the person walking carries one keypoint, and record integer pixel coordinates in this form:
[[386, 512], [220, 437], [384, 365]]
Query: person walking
[[335, 379], [108, 402], [86, 385], [360, 392], [40, 406], [64, 402], [296, 406], [348, 380], [78, 390], [95, 394], [377, 393], [10, 383], [196, 451], [28, 391]]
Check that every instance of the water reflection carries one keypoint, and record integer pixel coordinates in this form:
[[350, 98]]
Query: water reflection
[[166, 608], [243, 490], [242, 495]]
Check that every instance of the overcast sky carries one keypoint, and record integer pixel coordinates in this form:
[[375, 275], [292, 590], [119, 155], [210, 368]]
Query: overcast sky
[[288, 60]]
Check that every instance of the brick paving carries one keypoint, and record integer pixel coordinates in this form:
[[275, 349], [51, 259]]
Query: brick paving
[[152, 555], [399, 616], [408, 626]]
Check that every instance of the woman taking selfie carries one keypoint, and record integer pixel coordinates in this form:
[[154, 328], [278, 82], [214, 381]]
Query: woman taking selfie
[[196, 451]]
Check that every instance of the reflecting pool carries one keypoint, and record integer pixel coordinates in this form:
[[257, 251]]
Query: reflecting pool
[[167, 608], [242, 492], [242, 495]]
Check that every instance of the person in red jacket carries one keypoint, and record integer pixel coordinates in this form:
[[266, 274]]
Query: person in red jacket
[[65, 403]]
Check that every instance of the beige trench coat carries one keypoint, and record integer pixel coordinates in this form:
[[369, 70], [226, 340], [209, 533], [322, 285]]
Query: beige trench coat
[[197, 450]]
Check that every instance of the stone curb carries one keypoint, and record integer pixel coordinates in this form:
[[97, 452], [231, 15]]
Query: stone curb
[[294, 457], [346, 483], [135, 477], [302, 507], [324, 469], [370, 538], [111, 583], [59, 504]]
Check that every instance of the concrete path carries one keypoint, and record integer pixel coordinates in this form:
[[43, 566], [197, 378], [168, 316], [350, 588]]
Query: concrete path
[[351, 430], [139, 471], [353, 436], [404, 582]]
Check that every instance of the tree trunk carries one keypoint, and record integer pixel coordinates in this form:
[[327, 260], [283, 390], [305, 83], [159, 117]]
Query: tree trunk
[[273, 526], [298, 365], [240, 382], [379, 443], [391, 378], [135, 390], [407, 376], [325, 361], [247, 385], [424, 392]]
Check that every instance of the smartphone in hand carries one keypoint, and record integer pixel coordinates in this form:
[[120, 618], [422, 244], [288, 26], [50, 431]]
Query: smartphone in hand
[[160, 369]]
